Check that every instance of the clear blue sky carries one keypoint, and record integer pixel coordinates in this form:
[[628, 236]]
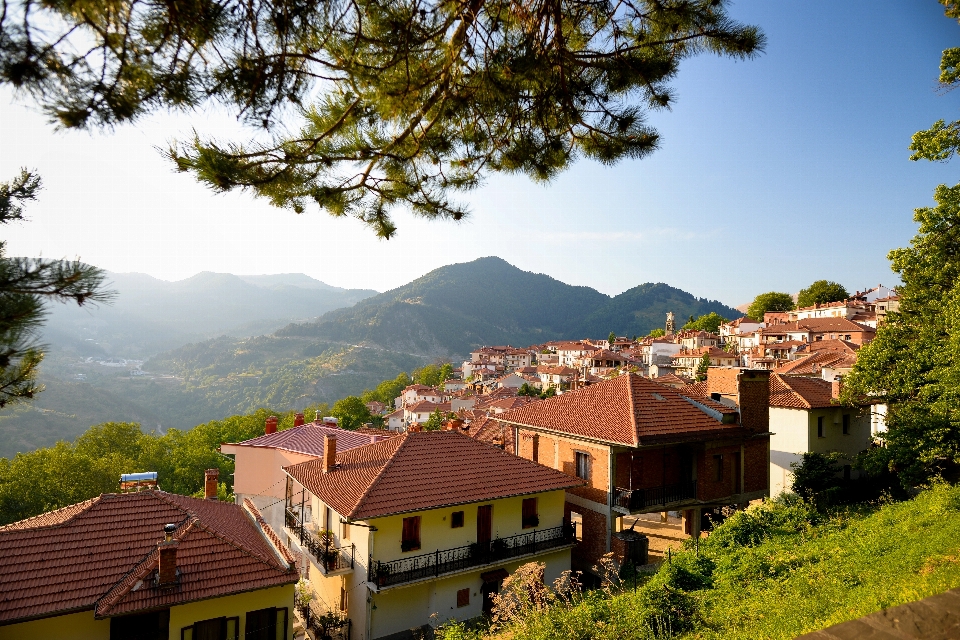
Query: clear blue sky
[[773, 173]]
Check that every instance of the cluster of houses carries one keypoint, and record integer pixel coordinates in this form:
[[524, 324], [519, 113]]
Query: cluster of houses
[[382, 533]]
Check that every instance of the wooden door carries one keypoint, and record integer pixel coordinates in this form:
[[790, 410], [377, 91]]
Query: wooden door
[[484, 526]]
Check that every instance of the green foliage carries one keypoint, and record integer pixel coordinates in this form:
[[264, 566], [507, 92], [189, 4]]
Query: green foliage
[[527, 390], [657, 333], [913, 363], [815, 476], [388, 390], [709, 322], [611, 338], [25, 285], [820, 292], [351, 413], [433, 375], [436, 420], [770, 301], [549, 392], [702, 367]]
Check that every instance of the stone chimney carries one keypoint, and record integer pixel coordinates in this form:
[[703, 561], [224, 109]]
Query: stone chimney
[[210, 483], [329, 452], [753, 399], [168, 556], [271, 426], [298, 420]]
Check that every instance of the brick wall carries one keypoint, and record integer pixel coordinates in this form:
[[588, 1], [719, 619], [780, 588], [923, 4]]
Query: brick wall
[[757, 469], [708, 486], [754, 399], [598, 482], [594, 543]]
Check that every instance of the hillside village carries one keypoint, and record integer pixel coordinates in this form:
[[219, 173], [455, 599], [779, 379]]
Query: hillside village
[[571, 454]]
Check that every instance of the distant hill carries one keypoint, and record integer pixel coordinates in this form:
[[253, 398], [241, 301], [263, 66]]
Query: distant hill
[[453, 309], [151, 315]]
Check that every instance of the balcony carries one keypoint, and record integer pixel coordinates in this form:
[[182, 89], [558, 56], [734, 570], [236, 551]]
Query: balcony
[[329, 558], [653, 498], [432, 565]]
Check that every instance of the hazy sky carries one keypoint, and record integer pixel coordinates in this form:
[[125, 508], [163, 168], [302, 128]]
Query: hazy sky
[[772, 173]]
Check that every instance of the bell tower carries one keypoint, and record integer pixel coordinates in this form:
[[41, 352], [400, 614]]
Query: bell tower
[[671, 324]]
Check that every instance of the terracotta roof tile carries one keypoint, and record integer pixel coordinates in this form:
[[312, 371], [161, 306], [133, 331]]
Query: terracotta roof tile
[[101, 556], [425, 470], [813, 364], [628, 409], [308, 439], [799, 392], [818, 325]]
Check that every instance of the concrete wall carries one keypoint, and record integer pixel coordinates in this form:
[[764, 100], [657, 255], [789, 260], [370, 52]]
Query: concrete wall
[[75, 626]]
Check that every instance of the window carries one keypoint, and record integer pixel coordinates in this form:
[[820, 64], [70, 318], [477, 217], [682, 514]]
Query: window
[[266, 624], [576, 521], [820, 427], [718, 466], [530, 516], [135, 627], [583, 465], [411, 534], [213, 629], [463, 597], [846, 424], [456, 520]]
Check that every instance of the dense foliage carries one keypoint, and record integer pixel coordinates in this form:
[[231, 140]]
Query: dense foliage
[[776, 570], [914, 363], [371, 105], [67, 473], [709, 322], [770, 301], [821, 292]]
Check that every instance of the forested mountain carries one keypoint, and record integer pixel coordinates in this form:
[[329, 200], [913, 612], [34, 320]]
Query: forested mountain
[[150, 315], [455, 308]]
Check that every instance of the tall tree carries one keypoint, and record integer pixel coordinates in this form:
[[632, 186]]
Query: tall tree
[[770, 301], [913, 364], [25, 285], [708, 322], [370, 105], [702, 367], [820, 292]]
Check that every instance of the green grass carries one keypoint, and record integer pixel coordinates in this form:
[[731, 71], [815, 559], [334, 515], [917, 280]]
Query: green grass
[[774, 571]]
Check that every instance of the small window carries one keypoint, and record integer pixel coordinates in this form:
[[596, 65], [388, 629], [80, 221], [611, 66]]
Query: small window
[[583, 465], [463, 597], [411, 534], [456, 520], [718, 466], [846, 424], [820, 427], [530, 516]]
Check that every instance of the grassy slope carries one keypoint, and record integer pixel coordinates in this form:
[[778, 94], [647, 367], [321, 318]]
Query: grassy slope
[[777, 573]]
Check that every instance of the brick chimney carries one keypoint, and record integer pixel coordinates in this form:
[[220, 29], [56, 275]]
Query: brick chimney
[[168, 556], [836, 387], [298, 420], [753, 399], [271, 426], [210, 483], [329, 452]]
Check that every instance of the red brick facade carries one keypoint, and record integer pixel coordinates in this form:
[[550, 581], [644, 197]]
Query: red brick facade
[[594, 537]]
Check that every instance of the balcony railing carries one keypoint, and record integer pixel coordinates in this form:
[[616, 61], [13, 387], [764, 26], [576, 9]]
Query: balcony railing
[[431, 565], [640, 499], [329, 557]]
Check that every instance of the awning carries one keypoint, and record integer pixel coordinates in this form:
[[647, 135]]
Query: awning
[[494, 576]]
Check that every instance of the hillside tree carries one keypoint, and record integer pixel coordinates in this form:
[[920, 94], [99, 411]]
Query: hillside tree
[[709, 322], [26, 286], [821, 292], [772, 301], [913, 364], [360, 107], [351, 413]]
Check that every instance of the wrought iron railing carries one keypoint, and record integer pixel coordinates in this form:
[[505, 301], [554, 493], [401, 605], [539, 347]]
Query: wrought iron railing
[[329, 557], [637, 499], [327, 625], [428, 565]]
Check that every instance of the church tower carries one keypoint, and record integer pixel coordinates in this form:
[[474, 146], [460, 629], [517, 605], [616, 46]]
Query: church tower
[[671, 325]]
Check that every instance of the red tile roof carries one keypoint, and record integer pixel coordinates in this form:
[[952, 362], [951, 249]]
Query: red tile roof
[[101, 554], [308, 439], [813, 364], [425, 470], [818, 325], [799, 392], [841, 346], [673, 380], [629, 409]]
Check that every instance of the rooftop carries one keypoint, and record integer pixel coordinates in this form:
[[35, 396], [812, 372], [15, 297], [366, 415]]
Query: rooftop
[[307, 438]]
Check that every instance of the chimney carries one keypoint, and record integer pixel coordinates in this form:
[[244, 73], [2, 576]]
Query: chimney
[[836, 387], [317, 419], [753, 399], [210, 483], [167, 573], [329, 452], [298, 420], [271, 426]]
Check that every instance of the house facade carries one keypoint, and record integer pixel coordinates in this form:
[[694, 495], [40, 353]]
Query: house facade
[[422, 528], [641, 447]]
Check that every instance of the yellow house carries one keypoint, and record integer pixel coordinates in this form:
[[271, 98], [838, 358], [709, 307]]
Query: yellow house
[[148, 565], [422, 528]]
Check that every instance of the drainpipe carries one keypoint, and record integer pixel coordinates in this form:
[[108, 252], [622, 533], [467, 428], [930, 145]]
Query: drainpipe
[[611, 519]]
